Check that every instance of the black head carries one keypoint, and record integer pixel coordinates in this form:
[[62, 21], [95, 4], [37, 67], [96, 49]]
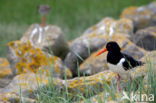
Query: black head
[[112, 46]]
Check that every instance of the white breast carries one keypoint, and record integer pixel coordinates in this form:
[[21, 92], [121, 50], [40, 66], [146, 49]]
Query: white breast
[[118, 68]]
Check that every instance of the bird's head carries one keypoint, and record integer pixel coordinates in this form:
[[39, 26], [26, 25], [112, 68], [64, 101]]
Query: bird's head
[[111, 46]]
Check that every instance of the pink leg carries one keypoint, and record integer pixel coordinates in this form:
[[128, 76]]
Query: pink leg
[[118, 83]]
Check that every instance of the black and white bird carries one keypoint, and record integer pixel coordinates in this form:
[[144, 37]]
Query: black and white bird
[[119, 62]]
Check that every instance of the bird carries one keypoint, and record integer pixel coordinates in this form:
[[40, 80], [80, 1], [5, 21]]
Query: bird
[[119, 62]]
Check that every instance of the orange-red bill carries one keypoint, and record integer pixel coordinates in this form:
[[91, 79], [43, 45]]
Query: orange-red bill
[[101, 51]]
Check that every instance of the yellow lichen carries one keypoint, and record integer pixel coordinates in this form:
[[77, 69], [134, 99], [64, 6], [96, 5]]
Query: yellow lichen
[[5, 72], [129, 10], [68, 73], [4, 68], [92, 81], [30, 58]]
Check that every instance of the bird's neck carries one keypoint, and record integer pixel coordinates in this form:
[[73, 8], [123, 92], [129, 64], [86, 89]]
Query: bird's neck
[[114, 57]]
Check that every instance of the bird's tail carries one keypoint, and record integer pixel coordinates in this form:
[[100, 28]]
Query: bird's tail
[[140, 63]]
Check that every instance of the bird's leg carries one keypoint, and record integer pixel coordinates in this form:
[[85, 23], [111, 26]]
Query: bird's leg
[[118, 82], [43, 21]]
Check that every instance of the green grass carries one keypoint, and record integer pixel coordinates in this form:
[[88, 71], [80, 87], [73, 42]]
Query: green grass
[[73, 16]]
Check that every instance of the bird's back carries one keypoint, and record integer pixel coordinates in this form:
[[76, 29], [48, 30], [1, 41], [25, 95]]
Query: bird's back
[[130, 62]]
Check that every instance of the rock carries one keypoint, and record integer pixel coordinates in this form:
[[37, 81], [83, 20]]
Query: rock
[[13, 98], [4, 68], [95, 64], [109, 26], [94, 84], [49, 38], [142, 17], [80, 49], [23, 57], [5, 72], [145, 38], [28, 83], [150, 64], [25, 84]]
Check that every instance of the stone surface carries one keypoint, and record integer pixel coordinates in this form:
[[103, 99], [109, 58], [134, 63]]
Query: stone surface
[[13, 98], [142, 17], [49, 39], [26, 84], [92, 84], [95, 64], [109, 26], [150, 64], [24, 57], [5, 72], [80, 49], [145, 38]]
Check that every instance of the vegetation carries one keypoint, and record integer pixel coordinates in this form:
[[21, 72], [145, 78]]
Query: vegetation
[[73, 16], [139, 86]]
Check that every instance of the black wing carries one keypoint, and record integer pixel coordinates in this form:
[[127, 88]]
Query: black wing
[[131, 62]]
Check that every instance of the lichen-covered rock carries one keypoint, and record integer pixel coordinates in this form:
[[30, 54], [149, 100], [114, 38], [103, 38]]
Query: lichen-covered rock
[[95, 64], [92, 84], [24, 57], [150, 64], [14, 98], [109, 26], [49, 38], [5, 72], [4, 68], [141, 16], [26, 84], [145, 38], [80, 49]]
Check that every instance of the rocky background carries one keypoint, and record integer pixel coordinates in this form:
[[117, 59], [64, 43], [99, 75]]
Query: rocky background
[[43, 53]]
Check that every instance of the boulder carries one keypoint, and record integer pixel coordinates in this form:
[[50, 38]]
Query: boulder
[[49, 38], [90, 84], [142, 17], [95, 64], [150, 64], [145, 38], [5, 72], [109, 26], [28, 83], [80, 49], [14, 98], [24, 57]]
